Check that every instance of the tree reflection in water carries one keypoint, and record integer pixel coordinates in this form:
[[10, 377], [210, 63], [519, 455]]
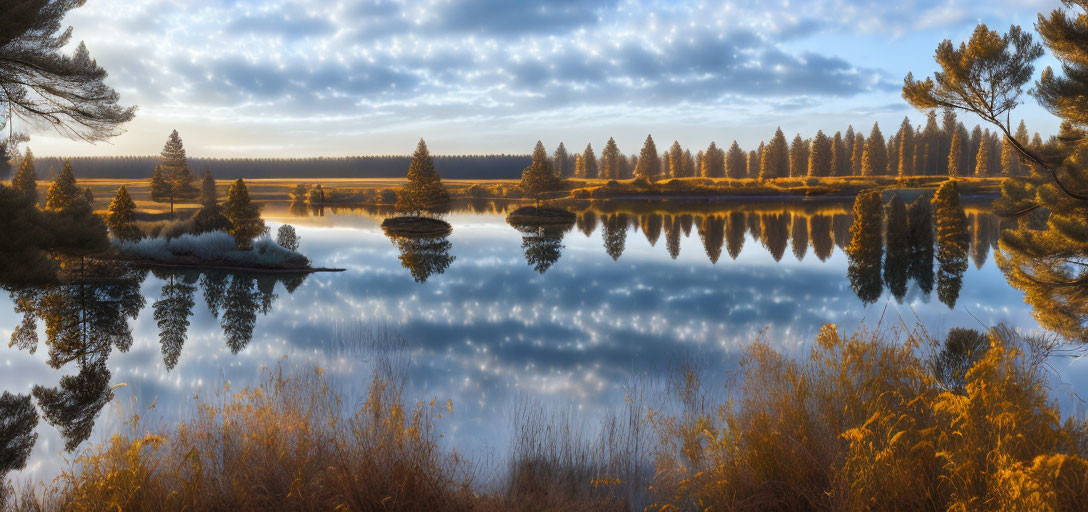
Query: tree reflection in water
[[909, 232], [87, 316], [542, 244], [423, 255]]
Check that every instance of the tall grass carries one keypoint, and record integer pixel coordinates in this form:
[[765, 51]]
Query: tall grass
[[863, 422]]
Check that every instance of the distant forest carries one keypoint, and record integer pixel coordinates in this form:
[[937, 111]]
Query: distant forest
[[390, 166]]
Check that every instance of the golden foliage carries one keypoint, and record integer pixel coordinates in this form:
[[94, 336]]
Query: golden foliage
[[861, 424]]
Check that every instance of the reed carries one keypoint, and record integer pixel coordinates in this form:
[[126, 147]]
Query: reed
[[895, 421]]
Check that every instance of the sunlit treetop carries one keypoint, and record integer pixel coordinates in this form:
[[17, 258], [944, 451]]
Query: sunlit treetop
[[985, 75]]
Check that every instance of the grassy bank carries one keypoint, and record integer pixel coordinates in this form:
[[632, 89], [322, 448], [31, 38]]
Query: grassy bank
[[381, 191], [863, 422], [787, 187]]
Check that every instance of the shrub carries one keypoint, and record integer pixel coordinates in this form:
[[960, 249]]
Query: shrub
[[214, 247], [862, 423], [476, 191], [284, 445], [580, 193], [387, 196]]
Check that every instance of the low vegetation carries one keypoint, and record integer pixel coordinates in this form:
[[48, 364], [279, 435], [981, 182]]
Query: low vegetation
[[748, 187], [214, 248], [863, 422]]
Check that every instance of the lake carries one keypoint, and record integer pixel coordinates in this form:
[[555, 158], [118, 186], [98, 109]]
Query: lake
[[490, 316]]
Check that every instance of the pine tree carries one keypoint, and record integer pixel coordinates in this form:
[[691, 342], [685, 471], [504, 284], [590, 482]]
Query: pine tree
[[713, 162], [210, 218], [610, 161], [560, 162], [849, 138], [819, 156], [948, 129], [857, 159], [840, 161], [798, 157], [875, 159], [121, 216], [967, 153], [982, 159], [955, 153], [423, 193], [172, 179], [675, 157], [649, 163], [893, 154], [244, 216], [776, 158], [64, 192], [972, 148], [538, 177], [753, 164], [160, 187], [589, 163], [906, 149], [1010, 160], [579, 168], [1022, 135], [689, 164], [208, 196], [25, 180]]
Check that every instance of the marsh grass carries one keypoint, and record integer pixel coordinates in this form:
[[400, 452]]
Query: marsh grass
[[863, 422]]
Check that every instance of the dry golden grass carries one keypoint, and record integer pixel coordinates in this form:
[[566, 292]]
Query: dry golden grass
[[862, 423]]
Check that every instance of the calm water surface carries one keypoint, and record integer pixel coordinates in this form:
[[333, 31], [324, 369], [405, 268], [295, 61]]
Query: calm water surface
[[490, 315]]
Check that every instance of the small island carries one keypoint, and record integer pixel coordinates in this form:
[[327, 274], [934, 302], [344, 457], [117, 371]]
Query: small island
[[416, 226], [423, 195], [541, 216]]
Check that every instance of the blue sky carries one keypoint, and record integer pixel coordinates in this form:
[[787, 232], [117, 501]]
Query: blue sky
[[326, 78]]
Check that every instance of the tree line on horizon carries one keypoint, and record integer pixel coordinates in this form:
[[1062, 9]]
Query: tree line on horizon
[[943, 146], [501, 166], [939, 148]]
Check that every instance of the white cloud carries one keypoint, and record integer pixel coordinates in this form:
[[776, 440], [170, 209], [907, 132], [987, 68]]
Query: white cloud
[[356, 66]]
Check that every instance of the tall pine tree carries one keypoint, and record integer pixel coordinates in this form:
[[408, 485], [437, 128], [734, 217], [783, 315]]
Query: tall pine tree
[[589, 163], [798, 157], [244, 216], [611, 167], [776, 157], [649, 163], [121, 216], [424, 192], [875, 158], [538, 178], [25, 180], [819, 156]]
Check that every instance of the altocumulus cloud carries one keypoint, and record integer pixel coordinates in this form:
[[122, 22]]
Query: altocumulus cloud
[[287, 58], [351, 67]]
